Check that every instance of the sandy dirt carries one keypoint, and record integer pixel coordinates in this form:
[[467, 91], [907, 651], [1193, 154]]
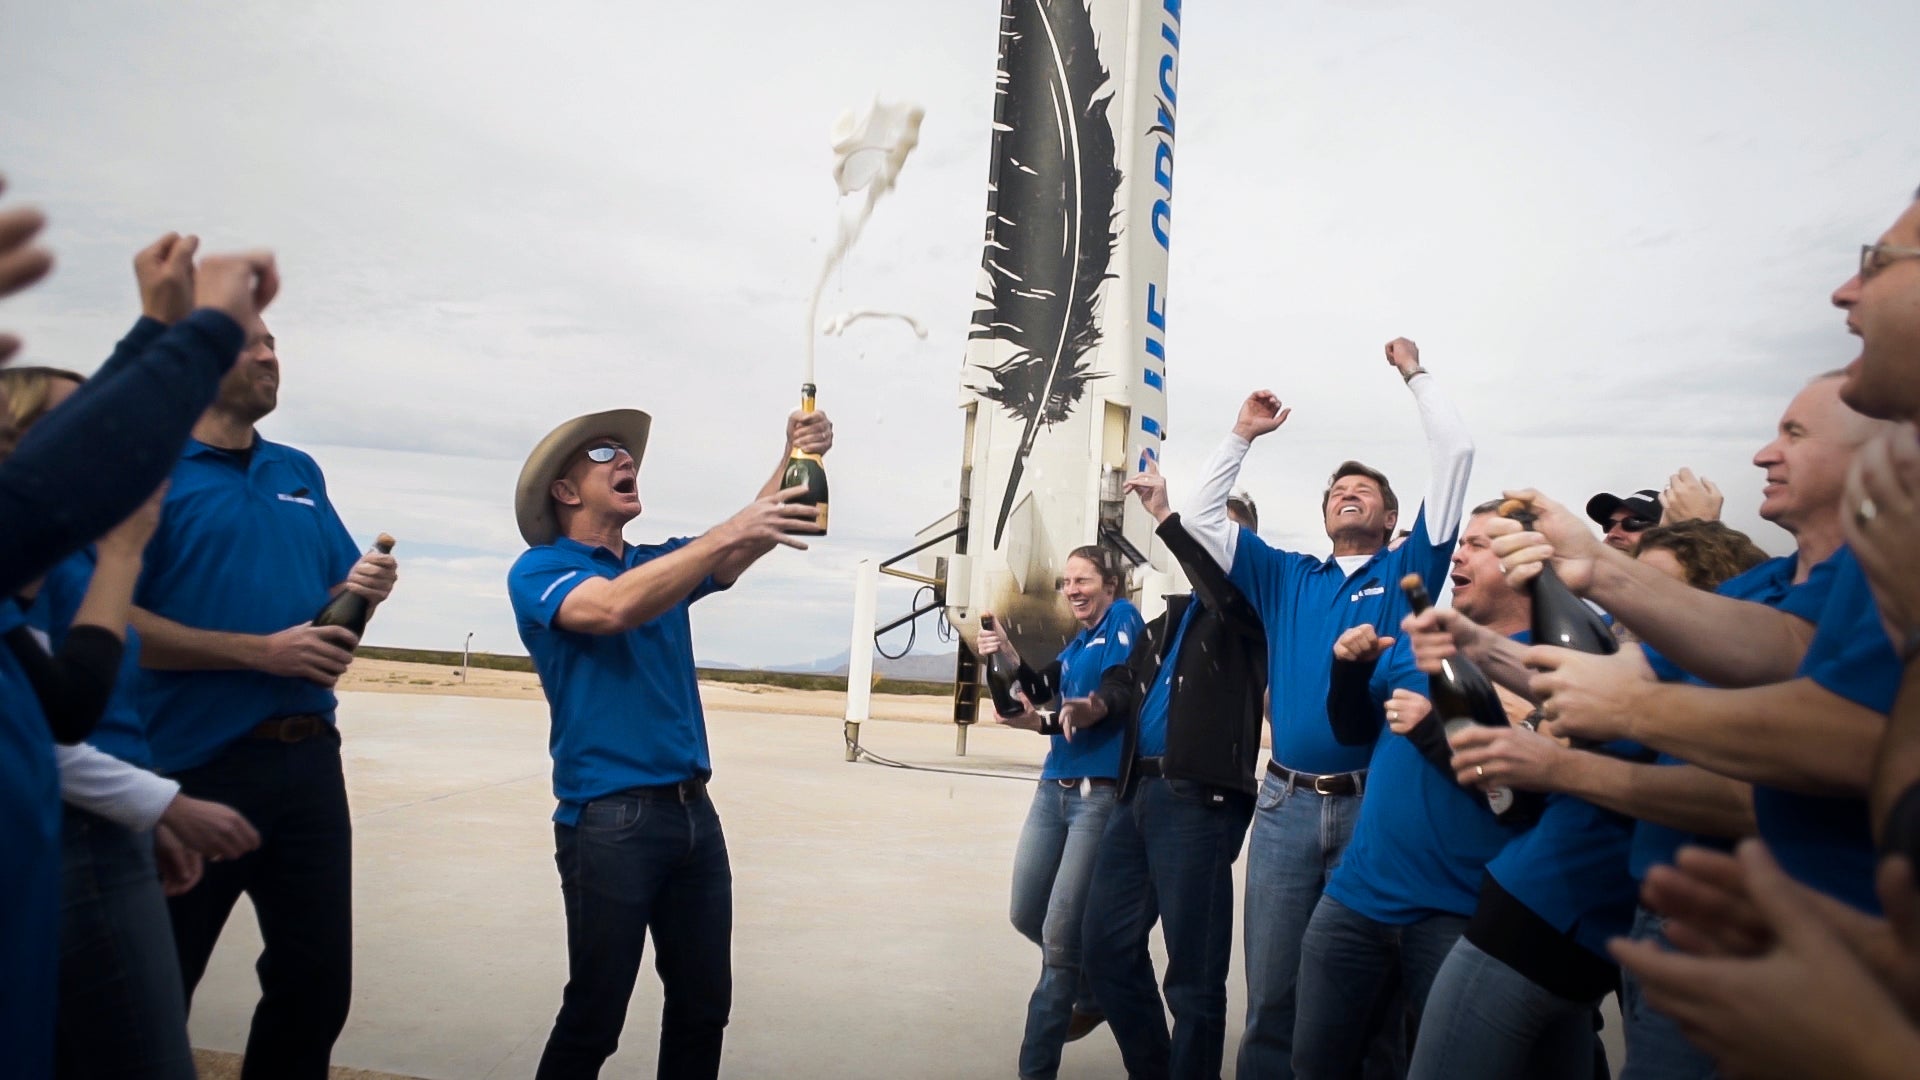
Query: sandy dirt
[[393, 677]]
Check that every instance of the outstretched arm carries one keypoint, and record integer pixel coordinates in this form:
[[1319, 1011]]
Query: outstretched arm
[[1206, 516], [1449, 444]]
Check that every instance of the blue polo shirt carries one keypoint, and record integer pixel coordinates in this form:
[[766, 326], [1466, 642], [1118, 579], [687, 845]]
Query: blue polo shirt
[[626, 707], [1422, 843], [1153, 711], [1827, 843], [1305, 604], [120, 731], [1571, 868], [1094, 752], [1770, 583], [29, 869], [249, 547]]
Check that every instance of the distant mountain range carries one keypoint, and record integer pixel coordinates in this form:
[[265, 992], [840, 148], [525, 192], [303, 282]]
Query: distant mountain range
[[928, 667]]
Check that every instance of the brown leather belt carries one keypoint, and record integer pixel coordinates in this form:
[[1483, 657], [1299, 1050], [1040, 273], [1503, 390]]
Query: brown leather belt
[[1346, 783], [291, 729]]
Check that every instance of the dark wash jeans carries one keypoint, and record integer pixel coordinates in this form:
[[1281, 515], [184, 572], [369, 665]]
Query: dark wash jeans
[[301, 883], [1349, 965], [1167, 851], [639, 862], [123, 1012]]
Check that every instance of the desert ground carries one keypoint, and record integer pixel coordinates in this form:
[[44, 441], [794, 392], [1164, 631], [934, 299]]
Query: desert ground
[[870, 902]]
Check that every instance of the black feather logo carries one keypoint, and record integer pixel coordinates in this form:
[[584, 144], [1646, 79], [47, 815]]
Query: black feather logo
[[1050, 218]]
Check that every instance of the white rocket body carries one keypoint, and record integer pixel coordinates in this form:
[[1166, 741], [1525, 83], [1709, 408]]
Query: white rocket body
[[1066, 470]]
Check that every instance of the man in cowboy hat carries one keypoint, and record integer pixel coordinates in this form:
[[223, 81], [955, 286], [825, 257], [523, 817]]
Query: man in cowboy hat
[[637, 840]]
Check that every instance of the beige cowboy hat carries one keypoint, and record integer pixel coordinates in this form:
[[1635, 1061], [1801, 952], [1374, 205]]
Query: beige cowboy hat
[[532, 495]]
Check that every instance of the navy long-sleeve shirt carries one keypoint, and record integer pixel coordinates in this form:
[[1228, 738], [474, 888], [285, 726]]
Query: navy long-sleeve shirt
[[90, 463]]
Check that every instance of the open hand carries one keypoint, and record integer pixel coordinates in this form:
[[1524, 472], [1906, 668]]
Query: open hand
[[1081, 713], [1261, 413], [1151, 489]]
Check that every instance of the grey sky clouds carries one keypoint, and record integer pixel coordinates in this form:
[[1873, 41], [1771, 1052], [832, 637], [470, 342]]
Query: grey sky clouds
[[1612, 229]]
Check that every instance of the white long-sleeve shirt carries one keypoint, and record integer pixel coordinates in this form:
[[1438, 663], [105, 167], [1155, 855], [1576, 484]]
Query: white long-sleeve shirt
[[100, 783], [1449, 451]]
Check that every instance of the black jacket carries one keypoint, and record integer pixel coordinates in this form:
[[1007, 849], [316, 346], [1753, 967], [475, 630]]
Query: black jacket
[[1220, 677]]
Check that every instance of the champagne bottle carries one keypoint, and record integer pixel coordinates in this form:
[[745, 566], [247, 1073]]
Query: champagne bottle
[[1559, 617], [1001, 676], [350, 609], [808, 470], [1462, 695]]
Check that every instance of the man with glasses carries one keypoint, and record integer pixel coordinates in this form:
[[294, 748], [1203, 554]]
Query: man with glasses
[[1624, 517], [236, 687], [637, 841]]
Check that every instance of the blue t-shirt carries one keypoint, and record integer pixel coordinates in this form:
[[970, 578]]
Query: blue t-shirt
[[29, 869], [1305, 604], [1094, 752], [1827, 843], [1153, 711], [1770, 583], [1422, 843], [248, 548], [120, 731], [626, 707]]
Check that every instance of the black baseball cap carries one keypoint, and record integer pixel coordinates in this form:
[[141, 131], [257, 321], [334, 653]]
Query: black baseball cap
[[1644, 503]]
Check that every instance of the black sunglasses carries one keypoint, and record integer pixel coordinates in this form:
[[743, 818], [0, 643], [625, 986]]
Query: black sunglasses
[[1632, 525]]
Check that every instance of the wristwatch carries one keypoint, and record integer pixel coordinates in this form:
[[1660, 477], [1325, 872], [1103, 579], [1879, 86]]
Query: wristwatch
[[1417, 370]]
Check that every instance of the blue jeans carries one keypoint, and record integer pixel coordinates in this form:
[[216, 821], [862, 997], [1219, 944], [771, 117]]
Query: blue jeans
[[301, 883], [1170, 851], [638, 862], [1051, 870], [1485, 1020], [1297, 840], [1656, 1050], [123, 1012], [1348, 965]]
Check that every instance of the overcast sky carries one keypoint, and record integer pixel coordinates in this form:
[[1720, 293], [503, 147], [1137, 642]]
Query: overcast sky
[[1612, 228]]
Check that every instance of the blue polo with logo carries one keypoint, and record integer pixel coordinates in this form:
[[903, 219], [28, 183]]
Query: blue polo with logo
[[1096, 751], [29, 867], [120, 731], [1827, 843], [246, 545], [1305, 604], [626, 707], [1422, 843], [1770, 583]]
